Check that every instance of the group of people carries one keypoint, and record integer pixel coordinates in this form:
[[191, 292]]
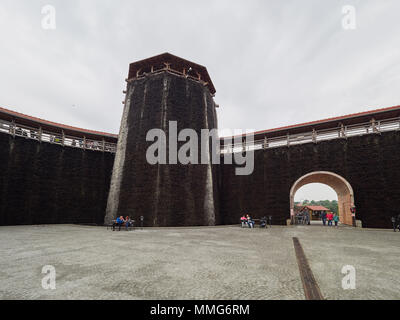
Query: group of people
[[247, 221], [303, 217], [327, 218], [120, 221], [330, 218]]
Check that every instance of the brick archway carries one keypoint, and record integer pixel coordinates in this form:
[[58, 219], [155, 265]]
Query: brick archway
[[341, 186]]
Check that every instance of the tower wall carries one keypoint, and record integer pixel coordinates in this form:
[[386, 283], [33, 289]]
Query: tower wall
[[165, 194]]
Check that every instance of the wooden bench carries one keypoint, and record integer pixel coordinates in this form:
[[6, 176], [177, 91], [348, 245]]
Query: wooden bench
[[131, 226], [256, 221]]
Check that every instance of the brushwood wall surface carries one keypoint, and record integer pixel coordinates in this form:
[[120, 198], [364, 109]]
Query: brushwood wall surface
[[43, 183], [370, 163], [167, 194]]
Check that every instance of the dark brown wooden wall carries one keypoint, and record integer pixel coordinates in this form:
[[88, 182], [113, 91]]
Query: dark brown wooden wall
[[370, 163], [42, 183]]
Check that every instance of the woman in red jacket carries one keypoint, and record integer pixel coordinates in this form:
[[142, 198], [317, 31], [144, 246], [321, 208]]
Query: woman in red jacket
[[329, 217]]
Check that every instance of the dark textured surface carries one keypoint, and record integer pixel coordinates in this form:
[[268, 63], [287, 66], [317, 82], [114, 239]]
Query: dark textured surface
[[310, 285], [171, 194], [370, 163], [43, 183]]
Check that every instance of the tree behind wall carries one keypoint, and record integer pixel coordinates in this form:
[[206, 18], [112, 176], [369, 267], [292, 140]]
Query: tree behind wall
[[332, 205]]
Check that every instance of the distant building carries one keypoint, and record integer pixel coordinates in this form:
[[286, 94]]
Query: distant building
[[314, 211]]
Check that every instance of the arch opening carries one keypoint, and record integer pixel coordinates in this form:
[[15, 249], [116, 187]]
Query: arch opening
[[340, 185]]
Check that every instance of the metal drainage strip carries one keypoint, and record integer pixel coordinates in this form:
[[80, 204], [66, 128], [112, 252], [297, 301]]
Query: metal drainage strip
[[310, 285]]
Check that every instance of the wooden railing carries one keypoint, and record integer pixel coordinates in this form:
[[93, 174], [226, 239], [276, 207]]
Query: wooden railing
[[341, 132], [167, 69], [62, 139]]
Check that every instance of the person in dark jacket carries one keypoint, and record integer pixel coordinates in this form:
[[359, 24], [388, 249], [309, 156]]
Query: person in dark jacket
[[394, 220], [250, 222], [323, 217], [263, 222]]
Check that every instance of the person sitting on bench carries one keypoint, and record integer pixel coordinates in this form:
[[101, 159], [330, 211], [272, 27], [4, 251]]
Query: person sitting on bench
[[250, 222], [120, 221], [128, 223], [263, 222], [243, 220]]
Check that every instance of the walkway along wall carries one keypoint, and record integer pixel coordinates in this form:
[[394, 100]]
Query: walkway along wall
[[370, 163]]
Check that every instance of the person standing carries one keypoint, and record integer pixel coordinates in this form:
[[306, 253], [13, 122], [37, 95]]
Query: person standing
[[336, 219], [323, 217], [329, 217], [308, 219]]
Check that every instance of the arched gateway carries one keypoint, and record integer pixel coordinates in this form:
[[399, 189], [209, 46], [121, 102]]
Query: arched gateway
[[341, 186]]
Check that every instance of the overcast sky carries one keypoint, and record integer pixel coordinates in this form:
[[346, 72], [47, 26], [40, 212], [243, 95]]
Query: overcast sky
[[273, 62]]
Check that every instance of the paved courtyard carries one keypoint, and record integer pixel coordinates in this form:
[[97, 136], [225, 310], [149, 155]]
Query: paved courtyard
[[195, 263]]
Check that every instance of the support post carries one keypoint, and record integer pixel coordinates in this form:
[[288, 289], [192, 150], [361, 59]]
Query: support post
[[63, 138], [13, 128], [373, 125], [266, 145], [342, 131]]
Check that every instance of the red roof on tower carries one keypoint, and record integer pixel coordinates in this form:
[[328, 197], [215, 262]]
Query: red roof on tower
[[174, 63]]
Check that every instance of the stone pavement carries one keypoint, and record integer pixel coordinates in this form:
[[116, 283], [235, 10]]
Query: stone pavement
[[195, 263]]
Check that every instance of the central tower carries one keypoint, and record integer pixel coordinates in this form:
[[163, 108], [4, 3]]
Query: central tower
[[161, 89]]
